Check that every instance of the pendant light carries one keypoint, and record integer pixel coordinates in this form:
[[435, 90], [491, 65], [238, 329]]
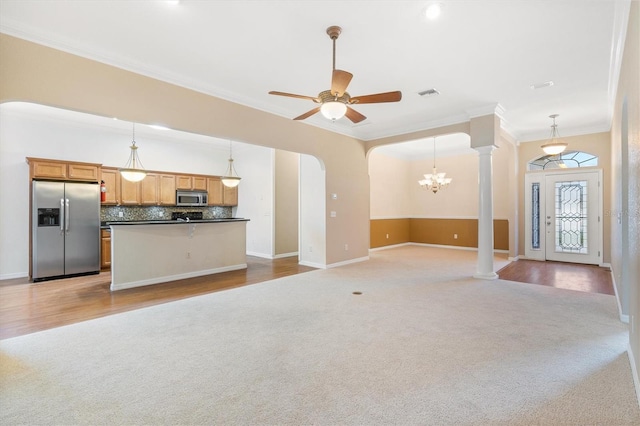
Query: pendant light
[[435, 181], [229, 180], [555, 145], [133, 171]]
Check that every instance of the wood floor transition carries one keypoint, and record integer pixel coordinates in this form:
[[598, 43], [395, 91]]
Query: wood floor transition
[[26, 307]]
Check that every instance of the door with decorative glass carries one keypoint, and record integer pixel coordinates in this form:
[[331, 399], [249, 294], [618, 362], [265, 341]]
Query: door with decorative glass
[[563, 212]]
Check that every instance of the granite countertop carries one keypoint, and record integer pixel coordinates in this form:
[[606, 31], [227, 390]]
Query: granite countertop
[[106, 225]]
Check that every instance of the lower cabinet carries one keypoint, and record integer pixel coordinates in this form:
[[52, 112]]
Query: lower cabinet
[[105, 249]]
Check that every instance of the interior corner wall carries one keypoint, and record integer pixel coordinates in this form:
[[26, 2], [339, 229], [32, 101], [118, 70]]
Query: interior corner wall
[[625, 243], [389, 179], [594, 143], [312, 246], [254, 164], [286, 203]]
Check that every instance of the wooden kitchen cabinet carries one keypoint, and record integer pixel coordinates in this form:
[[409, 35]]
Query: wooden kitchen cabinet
[[230, 196], [150, 189], [129, 192], [105, 249], [40, 168], [111, 178], [191, 182], [215, 191], [167, 190]]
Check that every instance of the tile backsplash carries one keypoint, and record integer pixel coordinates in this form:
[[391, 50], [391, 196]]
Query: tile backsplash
[[129, 213]]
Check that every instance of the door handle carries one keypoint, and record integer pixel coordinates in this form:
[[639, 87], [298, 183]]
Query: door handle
[[66, 216], [63, 215]]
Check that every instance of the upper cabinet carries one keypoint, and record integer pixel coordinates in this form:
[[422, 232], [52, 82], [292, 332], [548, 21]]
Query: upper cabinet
[[62, 170], [156, 189], [191, 182], [111, 179]]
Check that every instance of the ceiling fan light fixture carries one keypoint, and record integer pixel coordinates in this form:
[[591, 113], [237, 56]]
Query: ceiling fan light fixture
[[333, 110]]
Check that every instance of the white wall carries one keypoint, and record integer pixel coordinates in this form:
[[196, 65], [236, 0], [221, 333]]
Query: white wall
[[254, 165], [48, 136], [312, 248]]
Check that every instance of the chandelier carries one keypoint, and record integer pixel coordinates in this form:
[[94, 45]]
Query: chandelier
[[435, 181]]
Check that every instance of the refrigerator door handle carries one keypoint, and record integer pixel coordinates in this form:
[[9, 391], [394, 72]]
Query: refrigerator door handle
[[66, 216], [63, 215]]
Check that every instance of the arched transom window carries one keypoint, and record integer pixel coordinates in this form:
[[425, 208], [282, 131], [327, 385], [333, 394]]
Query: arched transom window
[[566, 160]]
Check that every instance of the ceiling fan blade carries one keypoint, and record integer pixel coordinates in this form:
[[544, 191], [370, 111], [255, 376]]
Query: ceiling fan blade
[[307, 114], [354, 115], [377, 98], [291, 95], [339, 82]]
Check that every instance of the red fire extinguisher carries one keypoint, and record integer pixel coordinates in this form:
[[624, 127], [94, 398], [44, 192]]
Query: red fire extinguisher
[[103, 191]]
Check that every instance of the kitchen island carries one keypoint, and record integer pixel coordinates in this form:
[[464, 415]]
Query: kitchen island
[[152, 252]]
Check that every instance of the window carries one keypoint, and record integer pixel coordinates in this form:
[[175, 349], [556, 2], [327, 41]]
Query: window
[[566, 160]]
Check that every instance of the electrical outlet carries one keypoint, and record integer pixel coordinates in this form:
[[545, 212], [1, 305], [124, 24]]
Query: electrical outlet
[[333, 214], [455, 236], [161, 214], [346, 247], [188, 255], [387, 236], [120, 214]]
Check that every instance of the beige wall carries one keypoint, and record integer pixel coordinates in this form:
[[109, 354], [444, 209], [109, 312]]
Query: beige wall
[[286, 202], [389, 178], [35, 73], [625, 187], [596, 144]]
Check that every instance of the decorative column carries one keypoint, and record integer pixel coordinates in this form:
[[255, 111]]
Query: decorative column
[[485, 215]]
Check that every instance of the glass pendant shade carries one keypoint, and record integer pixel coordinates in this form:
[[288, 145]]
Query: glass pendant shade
[[333, 110], [133, 171], [555, 145], [229, 180]]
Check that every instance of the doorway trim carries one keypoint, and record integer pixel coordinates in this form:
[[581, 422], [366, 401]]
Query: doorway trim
[[536, 181]]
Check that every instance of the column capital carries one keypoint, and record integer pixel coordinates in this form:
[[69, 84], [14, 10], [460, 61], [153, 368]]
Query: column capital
[[485, 150]]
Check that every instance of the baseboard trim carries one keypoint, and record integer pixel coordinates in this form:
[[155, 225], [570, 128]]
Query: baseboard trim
[[623, 317], [312, 264], [262, 255], [634, 372], [389, 247], [348, 262], [14, 275], [455, 247], [283, 255]]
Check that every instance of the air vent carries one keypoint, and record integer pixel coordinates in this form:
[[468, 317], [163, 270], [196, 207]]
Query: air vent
[[542, 85], [429, 92]]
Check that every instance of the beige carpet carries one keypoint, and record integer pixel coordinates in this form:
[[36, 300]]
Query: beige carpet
[[424, 344]]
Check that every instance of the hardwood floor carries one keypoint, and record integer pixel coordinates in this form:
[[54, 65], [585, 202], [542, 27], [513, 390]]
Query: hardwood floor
[[29, 307], [571, 276]]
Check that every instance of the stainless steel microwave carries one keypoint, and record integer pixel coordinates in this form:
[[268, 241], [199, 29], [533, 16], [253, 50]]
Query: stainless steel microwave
[[191, 198]]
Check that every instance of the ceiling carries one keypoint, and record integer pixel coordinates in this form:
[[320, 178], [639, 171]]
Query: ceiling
[[481, 55]]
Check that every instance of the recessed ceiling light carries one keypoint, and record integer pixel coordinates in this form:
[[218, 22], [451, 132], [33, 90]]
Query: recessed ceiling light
[[542, 85], [433, 10]]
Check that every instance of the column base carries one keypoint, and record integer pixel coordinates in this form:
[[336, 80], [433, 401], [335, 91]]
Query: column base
[[487, 276]]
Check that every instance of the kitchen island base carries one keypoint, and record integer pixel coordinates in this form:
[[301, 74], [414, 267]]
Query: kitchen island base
[[146, 253]]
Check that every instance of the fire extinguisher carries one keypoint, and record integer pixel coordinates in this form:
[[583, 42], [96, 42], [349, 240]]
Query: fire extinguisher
[[103, 191]]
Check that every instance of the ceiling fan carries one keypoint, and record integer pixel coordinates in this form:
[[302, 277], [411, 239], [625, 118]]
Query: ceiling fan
[[335, 103]]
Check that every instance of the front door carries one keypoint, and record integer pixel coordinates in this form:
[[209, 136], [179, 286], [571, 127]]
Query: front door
[[563, 216]]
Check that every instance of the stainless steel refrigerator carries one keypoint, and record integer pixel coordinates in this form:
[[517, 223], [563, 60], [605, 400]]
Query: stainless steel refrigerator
[[65, 229]]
